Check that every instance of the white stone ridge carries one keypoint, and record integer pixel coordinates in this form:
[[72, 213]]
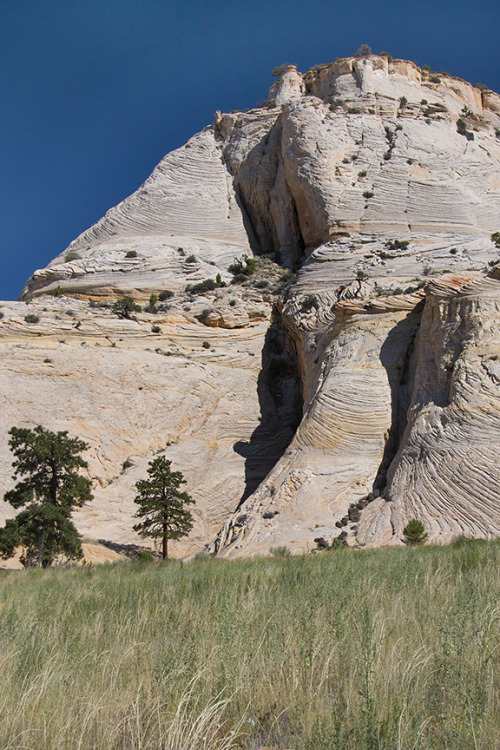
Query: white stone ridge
[[360, 173]]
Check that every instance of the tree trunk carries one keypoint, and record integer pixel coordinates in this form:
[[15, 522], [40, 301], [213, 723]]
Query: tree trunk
[[165, 542]]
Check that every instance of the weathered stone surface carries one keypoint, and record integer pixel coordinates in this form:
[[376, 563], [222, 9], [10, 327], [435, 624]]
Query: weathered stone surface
[[357, 172]]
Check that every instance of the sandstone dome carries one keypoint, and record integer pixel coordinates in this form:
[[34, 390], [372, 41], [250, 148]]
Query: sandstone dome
[[368, 382]]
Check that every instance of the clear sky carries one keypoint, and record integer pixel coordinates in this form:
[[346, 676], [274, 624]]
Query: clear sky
[[94, 92]]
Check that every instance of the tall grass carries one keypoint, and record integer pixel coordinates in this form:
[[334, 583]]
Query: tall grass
[[364, 650]]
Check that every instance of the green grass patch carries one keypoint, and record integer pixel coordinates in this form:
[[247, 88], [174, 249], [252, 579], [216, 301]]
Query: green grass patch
[[358, 649]]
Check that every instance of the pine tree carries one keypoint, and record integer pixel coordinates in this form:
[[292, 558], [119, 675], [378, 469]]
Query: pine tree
[[51, 488], [161, 504], [414, 533]]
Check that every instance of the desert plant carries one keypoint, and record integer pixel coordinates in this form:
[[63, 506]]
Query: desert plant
[[31, 318], [162, 504], [166, 294], [462, 129], [131, 254], [279, 69], [364, 50], [397, 244], [124, 306], [414, 533], [71, 255], [51, 487]]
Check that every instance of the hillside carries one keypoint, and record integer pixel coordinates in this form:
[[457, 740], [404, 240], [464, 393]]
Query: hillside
[[370, 379]]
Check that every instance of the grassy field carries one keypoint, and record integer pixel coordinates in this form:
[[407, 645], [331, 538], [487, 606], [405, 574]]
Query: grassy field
[[363, 650]]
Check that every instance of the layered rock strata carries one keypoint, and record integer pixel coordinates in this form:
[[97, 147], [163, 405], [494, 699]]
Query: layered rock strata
[[382, 182]]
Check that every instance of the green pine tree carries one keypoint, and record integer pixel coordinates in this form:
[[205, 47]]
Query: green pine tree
[[161, 504], [49, 490], [414, 533]]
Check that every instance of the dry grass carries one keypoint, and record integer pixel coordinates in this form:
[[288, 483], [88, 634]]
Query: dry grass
[[365, 650]]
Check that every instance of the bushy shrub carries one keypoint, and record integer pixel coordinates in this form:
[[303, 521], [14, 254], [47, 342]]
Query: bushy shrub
[[166, 294], [397, 244], [31, 318], [280, 69], [364, 50], [191, 259], [367, 194], [462, 129], [247, 267], [208, 285], [206, 345], [124, 306], [131, 254], [57, 291]]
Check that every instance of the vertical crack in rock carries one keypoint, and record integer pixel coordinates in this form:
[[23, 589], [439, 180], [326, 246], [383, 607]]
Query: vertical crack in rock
[[396, 355], [280, 400]]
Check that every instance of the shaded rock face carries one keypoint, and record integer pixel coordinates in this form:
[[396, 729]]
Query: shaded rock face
[[370, 383]]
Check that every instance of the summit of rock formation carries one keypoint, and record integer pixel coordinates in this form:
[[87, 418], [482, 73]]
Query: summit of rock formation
[[346, 379]]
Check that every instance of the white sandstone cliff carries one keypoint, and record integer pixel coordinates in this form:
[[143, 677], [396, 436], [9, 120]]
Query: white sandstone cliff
[[384, 350]]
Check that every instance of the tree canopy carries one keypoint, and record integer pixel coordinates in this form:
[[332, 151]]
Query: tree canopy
[[162, 504], [49, 490]]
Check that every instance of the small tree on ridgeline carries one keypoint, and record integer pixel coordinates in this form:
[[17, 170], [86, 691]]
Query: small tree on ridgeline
[[161, 504], [51, 488]]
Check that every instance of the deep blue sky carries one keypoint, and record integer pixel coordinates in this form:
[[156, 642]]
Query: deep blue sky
[[94, 92]]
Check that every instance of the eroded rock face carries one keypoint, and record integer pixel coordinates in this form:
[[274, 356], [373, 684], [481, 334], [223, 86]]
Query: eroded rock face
[[372, 381]]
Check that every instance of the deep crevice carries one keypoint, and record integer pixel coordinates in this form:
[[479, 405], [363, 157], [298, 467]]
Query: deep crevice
[[396, 356], [279, 392]]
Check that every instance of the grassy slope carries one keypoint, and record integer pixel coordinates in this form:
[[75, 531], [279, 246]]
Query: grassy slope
[[373, 649]]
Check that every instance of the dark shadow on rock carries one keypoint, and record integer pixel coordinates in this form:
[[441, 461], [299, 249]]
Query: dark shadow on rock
[[133, 551], [280, 399], [396, 357]]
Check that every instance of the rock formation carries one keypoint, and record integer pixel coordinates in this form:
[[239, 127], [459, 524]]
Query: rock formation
[[348, 400]]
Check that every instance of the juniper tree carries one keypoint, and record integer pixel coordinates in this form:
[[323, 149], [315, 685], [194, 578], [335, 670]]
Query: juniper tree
[[50, 489], [162, 504], [124, 306]]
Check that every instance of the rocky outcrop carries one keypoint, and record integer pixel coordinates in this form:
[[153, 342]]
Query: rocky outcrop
[[349, 400]]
